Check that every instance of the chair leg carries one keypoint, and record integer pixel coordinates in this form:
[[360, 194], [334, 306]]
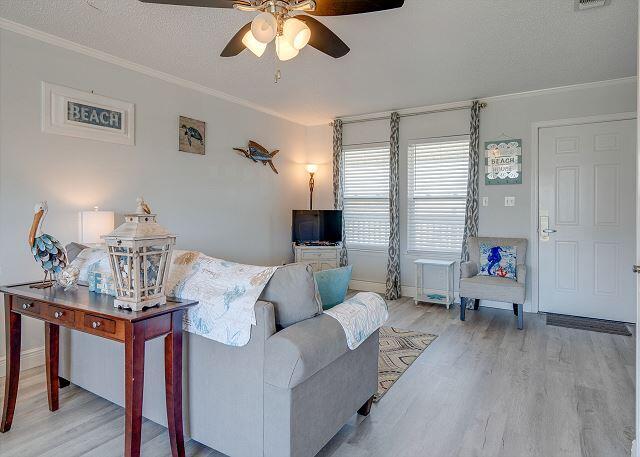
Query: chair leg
[[520, 317], [463, 306], [515, 309], [476, 304]]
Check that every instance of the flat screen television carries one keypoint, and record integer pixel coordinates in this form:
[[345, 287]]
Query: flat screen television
[[321, 226]]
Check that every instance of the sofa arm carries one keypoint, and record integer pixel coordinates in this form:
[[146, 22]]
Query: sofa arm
[[521, 273], [468, 269], [265, 320], [298, 352]]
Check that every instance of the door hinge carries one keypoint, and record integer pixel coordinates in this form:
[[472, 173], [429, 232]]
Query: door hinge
[[636, 268]]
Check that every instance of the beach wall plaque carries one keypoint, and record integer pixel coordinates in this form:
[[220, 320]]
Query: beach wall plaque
[[71, 112], [503, 162]]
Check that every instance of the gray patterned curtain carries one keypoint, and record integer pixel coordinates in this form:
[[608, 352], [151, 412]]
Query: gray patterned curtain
[[472, 215], [394, 288], [338, 184]]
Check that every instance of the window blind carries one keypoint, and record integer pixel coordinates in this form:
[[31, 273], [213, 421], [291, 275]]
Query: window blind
[[438, 174], [366, 195]]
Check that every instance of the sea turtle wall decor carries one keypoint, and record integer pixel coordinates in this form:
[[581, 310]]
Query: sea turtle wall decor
[[191, 135], [259, 154]]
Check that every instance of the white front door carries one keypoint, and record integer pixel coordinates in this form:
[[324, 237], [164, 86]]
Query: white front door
[[587, 220]]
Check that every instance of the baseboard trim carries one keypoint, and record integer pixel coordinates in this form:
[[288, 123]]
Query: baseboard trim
[[379, 288], [29, 358]]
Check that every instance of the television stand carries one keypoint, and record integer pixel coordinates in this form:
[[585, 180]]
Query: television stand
[[320, 257]]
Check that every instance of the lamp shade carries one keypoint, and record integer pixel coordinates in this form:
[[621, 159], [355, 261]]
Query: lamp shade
[[297, 33], [253, 45], [264, 27], [284, 50], [94, 224]]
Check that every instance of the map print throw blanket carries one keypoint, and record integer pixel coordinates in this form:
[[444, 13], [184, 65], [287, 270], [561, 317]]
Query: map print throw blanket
[[360, 316], [227, 293]]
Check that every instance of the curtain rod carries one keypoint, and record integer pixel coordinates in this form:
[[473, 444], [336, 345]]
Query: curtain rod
[[419, 113]]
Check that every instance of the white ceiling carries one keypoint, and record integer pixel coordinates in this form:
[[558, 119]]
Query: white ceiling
[[428, 52]]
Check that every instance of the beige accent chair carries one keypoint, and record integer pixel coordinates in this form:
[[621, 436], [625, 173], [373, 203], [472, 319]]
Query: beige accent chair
[[476, 287]]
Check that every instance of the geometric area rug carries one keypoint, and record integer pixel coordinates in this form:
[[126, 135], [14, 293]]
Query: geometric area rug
[[398, 350]]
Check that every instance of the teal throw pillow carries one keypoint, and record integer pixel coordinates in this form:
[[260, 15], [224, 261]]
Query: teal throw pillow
[[333, 285]]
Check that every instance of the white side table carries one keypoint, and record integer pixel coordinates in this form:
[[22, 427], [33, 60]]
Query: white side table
[[434, 281]]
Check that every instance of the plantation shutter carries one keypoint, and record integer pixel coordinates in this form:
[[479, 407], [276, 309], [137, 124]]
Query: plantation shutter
[[438, 174]]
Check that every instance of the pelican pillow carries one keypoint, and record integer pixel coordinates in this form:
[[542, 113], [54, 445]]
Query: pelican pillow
[[498, 261]]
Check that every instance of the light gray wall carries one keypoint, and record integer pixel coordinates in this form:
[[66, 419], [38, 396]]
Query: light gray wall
[[220, 203], [510, 115]]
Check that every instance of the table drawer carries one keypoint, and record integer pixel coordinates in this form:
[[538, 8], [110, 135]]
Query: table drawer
[[26, 305], [319, 255], [55, 314], [97, 324]]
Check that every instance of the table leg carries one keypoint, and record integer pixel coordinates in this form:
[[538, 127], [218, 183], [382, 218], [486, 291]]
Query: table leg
[[12, 336], [134, 384], [51, 343], [173, 383]]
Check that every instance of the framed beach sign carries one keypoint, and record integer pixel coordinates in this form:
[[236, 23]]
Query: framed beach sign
[[72, 112], [503, 162]]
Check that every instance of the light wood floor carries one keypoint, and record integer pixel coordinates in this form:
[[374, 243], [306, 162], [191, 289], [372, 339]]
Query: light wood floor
[[482, 389]]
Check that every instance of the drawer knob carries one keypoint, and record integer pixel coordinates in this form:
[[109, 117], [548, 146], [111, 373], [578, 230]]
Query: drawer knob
[[58, 314], [27, 305], [95, 324]]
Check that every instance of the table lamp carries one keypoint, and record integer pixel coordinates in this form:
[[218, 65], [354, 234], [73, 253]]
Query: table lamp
[[94, 224]]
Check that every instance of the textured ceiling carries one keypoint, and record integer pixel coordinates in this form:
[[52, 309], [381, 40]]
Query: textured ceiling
[[428, 52]]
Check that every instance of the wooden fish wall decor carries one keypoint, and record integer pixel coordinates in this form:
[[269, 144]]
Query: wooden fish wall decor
[[259, 154]]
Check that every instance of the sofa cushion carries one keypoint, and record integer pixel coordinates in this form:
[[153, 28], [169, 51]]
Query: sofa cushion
[[298, 352], [73, 249], [294, 294], [492, 288], [333, 285]]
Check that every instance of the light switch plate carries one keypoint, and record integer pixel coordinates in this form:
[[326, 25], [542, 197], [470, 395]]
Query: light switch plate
[[509, 201], [485, 201]]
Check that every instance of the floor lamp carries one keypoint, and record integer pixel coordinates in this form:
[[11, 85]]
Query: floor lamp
[[312, 170]]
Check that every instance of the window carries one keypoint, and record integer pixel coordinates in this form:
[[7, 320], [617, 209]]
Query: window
[[366, 195], [438, 173]]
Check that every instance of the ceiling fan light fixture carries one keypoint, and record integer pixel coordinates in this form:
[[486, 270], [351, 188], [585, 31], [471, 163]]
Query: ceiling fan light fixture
[[253, 45], [297, 33], [284, 50], [264, 27]]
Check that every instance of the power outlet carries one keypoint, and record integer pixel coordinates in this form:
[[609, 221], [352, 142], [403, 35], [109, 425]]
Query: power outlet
[[485, 201], [509, 201]]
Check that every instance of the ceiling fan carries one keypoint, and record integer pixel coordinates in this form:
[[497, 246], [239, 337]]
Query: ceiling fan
[[276, 21]]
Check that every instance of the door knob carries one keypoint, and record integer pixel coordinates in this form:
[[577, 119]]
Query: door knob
[[549, 231]]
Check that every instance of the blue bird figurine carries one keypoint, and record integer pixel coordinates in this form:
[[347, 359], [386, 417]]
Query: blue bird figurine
[[48, 251]]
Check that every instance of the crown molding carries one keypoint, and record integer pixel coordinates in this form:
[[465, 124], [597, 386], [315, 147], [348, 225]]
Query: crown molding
[[496, 98], [6, 24]]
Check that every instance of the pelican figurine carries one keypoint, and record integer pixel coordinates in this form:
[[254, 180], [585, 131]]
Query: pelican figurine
[[48, 251]]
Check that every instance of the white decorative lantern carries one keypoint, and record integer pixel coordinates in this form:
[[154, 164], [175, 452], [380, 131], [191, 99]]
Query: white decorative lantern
[[140, 255]]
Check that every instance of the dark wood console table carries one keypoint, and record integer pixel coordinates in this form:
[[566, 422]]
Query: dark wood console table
[[94, 313]]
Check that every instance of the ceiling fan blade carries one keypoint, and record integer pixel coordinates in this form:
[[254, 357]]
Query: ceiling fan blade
[[344, 7], [323, 39], [235, 45], [202, 3]]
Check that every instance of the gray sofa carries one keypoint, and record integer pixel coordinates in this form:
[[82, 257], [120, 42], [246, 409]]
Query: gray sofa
[[286, 393]]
